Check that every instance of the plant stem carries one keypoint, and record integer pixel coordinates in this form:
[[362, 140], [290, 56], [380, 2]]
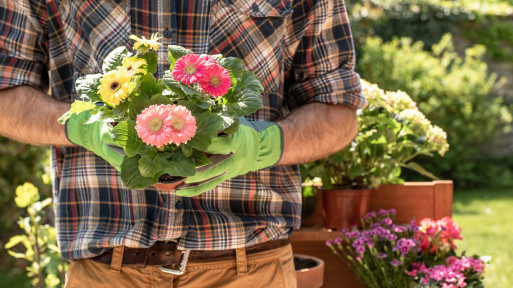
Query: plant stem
[[37, 254]]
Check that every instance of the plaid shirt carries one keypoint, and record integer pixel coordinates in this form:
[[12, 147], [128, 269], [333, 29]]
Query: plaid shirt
[[302, 51]]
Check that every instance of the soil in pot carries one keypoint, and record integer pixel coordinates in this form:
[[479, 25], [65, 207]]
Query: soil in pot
[[309, 271], [168, 182]]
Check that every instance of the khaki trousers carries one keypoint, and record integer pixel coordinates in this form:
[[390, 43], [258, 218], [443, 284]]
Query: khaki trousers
[[268, 269]]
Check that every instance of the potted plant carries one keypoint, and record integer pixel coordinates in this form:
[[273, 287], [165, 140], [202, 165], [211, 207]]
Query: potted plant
[[384, 253], [392, 132]]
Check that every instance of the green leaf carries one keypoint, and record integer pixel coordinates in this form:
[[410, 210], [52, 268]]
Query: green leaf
[[103, 114], [125, 135], [234, 65], [250, 82], [179, 165], [419, 169], [152, 164], [76, 107], [243, 103], [87, 86], [115, 59], [152, 61], [15, 240], [131, 175], [200, 159], [160, 100], [149, 86], [208, 126], [196, 106], [175, 52], [173, 85], [137, 105], [186, 150], [121, 109], [230, 125]]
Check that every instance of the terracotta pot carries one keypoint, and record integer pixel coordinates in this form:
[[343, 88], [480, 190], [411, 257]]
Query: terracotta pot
[[344, 208], [309, 271], [169, 185]]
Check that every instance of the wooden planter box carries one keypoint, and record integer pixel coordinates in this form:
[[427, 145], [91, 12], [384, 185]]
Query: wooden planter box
[[412, 200]]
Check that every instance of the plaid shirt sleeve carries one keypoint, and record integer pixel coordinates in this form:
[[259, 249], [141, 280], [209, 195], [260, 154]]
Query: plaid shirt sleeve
[[23, 57], [322, 64]]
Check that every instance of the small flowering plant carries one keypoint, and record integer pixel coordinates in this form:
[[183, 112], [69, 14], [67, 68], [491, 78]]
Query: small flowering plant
[[392, 132], [165, 125], [385, 254], [438, 264], [380, 252]]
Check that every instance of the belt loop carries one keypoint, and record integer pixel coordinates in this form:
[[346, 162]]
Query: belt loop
[[242, 264], [117, 259]]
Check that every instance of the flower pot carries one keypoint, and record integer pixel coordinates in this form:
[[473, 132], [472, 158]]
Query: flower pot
[[344, 208], [169, 183], [309, 271]]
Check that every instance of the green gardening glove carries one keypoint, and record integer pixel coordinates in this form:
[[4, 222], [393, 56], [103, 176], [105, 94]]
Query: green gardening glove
[[256, 145], [95, 137]]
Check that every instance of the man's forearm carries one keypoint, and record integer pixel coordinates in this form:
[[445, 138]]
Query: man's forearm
[[30, 116], [315, 131]]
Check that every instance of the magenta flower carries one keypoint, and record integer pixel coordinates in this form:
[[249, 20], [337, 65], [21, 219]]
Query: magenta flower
[[160, 125], [215, 81], [190, 67]]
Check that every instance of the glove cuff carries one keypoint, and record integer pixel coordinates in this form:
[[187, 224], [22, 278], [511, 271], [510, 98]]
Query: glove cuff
[[270, 144]]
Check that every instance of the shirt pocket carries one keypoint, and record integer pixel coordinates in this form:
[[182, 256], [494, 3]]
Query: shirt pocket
[[254, 31], [93, 29]]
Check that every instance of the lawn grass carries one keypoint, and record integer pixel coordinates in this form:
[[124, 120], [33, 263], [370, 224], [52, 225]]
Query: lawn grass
[[486, 220]]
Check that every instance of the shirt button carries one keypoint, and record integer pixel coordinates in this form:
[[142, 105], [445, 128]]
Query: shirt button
[[179, 205], [168, 34]]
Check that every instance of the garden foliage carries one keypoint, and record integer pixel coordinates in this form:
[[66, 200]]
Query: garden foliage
[[45, 265], [454, 92]]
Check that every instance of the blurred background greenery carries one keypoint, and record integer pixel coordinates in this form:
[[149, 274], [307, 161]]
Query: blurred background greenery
[[454, 58]]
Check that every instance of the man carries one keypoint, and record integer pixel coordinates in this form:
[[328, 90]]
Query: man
[[231, 236]]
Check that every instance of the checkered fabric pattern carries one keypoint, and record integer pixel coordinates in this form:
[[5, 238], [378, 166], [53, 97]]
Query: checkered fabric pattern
[[302, 51]]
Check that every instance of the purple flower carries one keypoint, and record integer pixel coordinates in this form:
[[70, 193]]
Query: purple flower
[[383, 212], [337, 241], [382, 255], [360, 249], [375, 225], [392, 211], [399, 229], [329, 242], [396, 262], [391, 237], [353, 234], [386, 221]]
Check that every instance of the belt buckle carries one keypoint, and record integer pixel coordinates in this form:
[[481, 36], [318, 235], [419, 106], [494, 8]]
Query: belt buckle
[[183, 264]]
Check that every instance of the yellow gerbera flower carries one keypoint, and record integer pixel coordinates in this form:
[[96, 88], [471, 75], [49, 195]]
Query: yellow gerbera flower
[[114, 86], [132, 65], [146, 44]]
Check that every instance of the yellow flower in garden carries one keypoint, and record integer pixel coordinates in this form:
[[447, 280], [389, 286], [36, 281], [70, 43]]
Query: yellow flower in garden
[[146, 43], [132, 65], [114, 86]]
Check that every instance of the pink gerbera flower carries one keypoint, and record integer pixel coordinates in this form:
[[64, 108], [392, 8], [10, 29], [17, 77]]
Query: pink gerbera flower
[[190, 67], [215, 81], [159, 125]]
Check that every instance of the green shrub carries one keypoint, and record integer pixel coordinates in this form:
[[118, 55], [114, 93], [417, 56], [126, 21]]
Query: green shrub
[[46, 267], [19, 163], [420, 20], [494, 33], [452, 91]]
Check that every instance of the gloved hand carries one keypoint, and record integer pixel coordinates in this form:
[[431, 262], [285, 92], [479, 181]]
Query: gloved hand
[[256, 145], [94, 137]]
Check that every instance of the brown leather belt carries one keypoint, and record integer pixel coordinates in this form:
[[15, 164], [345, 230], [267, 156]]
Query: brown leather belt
[[166, 253]]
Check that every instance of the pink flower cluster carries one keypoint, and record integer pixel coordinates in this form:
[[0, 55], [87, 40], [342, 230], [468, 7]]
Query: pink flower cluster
[[204, 70], [453, 274], [159, 125], [438, 235]]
